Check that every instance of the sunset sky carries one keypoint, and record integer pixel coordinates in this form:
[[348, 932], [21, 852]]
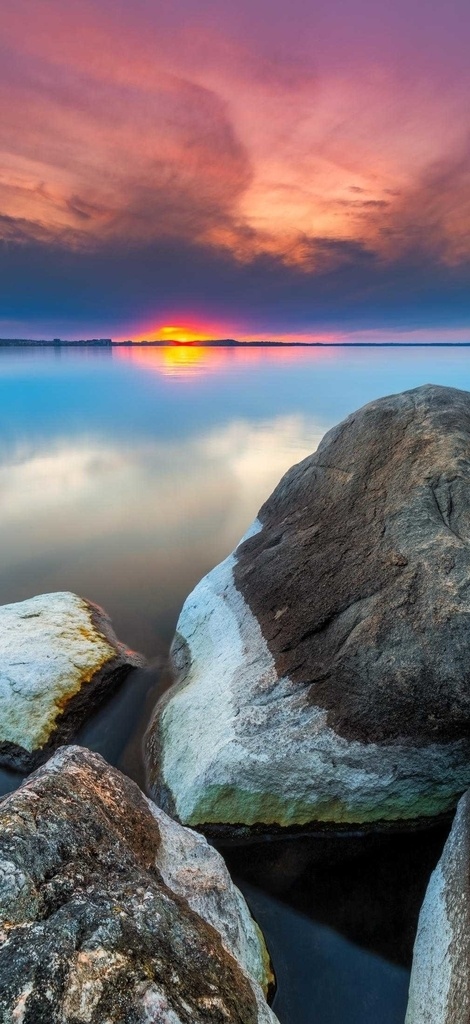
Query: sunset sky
[[241, 168]]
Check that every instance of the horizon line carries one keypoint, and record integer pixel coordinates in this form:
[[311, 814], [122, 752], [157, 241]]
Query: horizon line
[[220, 343]]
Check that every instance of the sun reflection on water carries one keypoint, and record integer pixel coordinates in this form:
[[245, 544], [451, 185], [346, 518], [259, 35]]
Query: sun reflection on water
[[187, 360]]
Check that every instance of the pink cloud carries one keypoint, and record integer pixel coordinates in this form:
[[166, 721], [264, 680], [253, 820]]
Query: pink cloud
[[244, 127]]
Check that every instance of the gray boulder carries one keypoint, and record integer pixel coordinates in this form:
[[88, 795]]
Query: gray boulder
[[323, 669], [111, 912], [440, 978], [59, 658]]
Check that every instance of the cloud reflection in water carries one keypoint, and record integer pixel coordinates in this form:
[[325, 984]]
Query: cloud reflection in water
[[134, 525]]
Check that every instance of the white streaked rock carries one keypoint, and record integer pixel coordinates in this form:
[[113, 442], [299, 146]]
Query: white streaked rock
[[231, 743], [51, 648], [322, 668], [192, 868], [440, 977]]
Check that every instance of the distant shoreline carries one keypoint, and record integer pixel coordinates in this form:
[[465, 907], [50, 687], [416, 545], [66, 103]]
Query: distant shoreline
[[108, 343]]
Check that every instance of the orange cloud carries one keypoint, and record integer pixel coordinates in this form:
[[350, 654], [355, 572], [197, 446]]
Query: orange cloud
[[119, 126]]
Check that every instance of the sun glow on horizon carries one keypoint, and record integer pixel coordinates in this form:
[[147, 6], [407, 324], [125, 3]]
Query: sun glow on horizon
[[182, 333], [191, 332], [185, 335]]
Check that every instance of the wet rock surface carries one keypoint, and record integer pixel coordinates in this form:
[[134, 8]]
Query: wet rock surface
[[440, 977], [112, 912], [322, 669], [59, 659]]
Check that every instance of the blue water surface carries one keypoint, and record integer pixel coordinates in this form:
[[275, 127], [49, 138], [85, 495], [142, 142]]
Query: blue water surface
[[125, 476]]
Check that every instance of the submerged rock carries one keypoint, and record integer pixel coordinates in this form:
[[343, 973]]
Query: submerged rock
[[59, 657], [323, 668], [112, 912], [440, 977]]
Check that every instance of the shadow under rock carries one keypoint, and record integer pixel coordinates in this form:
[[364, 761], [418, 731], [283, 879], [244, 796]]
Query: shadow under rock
[[368, 889], [116, 730], [320, 975]]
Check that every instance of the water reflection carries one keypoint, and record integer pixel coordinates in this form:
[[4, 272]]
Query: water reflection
[[182, 362], [134, 524], [185, 362]]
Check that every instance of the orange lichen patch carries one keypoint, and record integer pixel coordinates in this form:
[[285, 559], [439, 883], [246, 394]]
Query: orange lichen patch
[[269, 978], [86, 677], [97, 640], [90, 634], [61, 704]]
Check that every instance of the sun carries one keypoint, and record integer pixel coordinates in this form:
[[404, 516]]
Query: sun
[[182, 335], [179, 334], [181, 328]]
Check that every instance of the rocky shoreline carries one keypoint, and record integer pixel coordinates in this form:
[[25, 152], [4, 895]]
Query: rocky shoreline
[[320, 690]]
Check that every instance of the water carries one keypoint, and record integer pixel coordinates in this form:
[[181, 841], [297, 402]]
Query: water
[[325, 977], [125, 476]]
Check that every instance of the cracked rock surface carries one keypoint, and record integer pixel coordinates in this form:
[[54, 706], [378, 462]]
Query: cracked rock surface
[[440, 976], [59, 658], [322, 670], [111, 912]]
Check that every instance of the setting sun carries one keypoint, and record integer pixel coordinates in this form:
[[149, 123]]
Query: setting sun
[[181, 333]]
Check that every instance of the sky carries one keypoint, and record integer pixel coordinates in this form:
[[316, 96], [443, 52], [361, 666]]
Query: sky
[[235, 168]]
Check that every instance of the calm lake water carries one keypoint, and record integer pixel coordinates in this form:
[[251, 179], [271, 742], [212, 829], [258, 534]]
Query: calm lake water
[[125, 476]]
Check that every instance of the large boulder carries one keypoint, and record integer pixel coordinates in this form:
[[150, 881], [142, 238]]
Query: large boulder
[[323, 669], [59, 658], [440, 977], [111, 912]]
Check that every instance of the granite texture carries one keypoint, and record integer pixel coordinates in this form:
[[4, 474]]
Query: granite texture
[[321, 670], [440, 978], [111, 912]]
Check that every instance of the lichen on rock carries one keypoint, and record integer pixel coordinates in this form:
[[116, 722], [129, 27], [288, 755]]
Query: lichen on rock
[[59, 657]]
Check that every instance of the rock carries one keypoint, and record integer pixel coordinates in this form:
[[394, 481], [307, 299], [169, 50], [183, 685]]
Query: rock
[[440, 977], [59, 658], [111, 912], [323, 668]]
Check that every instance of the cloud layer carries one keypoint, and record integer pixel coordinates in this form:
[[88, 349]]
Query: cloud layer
[[324, 146]]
